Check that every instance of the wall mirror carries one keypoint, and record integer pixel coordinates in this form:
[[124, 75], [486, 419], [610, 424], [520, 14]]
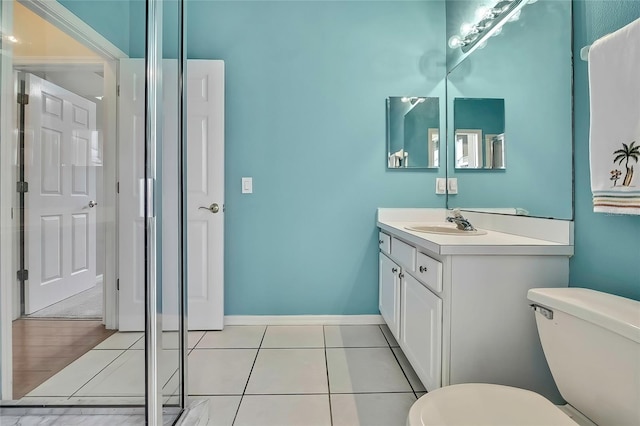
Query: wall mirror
[[413, 135], [479, 133], [525, 71]]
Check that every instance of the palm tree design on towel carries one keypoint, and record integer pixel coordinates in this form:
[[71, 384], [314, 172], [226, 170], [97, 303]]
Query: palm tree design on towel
[[628, 152]]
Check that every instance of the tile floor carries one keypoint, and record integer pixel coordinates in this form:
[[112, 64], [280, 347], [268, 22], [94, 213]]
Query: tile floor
[[257, 375]]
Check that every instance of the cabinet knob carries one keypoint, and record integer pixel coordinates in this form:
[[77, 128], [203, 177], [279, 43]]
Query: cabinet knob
[[380, 241], [423, 269], [394, 270], [401, 275]]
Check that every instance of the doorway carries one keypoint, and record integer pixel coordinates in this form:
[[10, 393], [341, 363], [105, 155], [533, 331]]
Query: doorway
[[61, 121]]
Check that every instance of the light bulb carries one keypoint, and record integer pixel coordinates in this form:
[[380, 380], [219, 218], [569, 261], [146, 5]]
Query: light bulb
[[12, 39], [455, 42], [481, 12], [466, 28]]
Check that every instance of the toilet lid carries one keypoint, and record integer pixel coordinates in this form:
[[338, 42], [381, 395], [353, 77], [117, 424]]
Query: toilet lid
[[484, 404]]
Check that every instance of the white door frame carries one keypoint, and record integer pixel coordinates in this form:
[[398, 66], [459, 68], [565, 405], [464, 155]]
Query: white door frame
[[61, 17], [7, 201]]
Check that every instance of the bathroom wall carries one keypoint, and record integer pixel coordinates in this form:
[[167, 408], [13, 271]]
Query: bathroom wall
[[484, 114], [108, 17], [306, 84], [607, 247]]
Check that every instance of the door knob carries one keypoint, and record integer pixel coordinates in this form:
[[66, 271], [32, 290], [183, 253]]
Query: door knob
[[213, 208], [92, 204]]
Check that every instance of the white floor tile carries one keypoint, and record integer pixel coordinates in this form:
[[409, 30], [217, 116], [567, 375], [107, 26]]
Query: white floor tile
[[125, 376], [387, 333], [170, 339], [371, 409], [120, 340], [297, 336], [222, 409], [354, 336], [284, 410], [76, 374], [353, 370], [234, 336], [219, 371], [416, 384], [289, 371]]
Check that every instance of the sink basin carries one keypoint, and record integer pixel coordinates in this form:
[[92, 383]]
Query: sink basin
[[444, 229]]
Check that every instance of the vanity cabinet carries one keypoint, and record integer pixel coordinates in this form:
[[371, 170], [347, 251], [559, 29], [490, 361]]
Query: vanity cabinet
[[421, 333], [463, 316], [410, 307], [389, 294]]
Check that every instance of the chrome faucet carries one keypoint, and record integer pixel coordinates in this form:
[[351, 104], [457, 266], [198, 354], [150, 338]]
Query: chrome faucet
[[461, 223]]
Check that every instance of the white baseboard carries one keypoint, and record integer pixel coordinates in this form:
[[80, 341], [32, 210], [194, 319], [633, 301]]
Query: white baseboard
[[302, 319]]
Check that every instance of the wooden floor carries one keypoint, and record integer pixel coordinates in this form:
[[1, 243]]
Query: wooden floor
[[41, 348]]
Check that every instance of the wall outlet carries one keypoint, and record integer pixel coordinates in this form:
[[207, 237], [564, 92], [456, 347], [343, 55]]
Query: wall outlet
[[452, 185], [441, 186]]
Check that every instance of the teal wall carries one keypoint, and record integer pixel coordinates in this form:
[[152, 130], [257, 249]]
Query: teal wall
[[305, 117], [479, 113], [607, 247], [108, 17], [306, 84]]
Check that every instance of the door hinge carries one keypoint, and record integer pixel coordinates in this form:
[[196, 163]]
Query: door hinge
[[118, 284], [23, 275], [23, 98], [22, 186]]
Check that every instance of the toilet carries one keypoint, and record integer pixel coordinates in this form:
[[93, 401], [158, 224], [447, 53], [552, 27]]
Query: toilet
[[591, 341]]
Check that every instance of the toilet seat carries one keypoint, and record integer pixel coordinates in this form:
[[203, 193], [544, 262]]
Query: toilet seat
[[485, 404]]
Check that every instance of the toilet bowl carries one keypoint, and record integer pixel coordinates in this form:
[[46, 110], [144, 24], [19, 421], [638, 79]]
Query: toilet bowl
[[591, 341], [485, 404]]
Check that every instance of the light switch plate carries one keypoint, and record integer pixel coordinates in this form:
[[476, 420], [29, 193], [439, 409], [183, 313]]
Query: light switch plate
[[247, 185], [441, 186], [452, 185]]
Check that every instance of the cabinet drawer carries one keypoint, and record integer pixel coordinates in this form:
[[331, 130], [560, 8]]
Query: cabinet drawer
[[429, 271], [384, 241], [404, 253]]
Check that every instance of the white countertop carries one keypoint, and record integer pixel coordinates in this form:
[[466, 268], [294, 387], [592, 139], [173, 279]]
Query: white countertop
[[492, 243]]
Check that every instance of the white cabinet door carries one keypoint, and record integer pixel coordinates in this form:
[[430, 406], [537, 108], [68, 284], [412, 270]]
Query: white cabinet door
[[421, 335], [389, 297]]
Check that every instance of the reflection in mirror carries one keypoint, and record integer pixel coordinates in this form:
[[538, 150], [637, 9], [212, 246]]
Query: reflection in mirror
[[479, 133], [526, 68], [413, 135]]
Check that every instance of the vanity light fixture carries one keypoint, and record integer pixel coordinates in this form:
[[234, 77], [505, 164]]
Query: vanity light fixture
[[489, 21]]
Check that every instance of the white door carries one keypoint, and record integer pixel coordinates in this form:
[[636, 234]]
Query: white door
[[60, 211], [205, 183]]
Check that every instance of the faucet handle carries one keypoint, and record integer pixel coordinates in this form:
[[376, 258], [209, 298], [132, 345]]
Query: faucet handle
[[456, 213]]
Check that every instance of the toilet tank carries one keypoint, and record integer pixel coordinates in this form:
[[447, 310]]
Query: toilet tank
[[592, 344]]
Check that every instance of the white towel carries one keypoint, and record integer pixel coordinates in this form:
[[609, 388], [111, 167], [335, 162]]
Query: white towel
[[614, 88]]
